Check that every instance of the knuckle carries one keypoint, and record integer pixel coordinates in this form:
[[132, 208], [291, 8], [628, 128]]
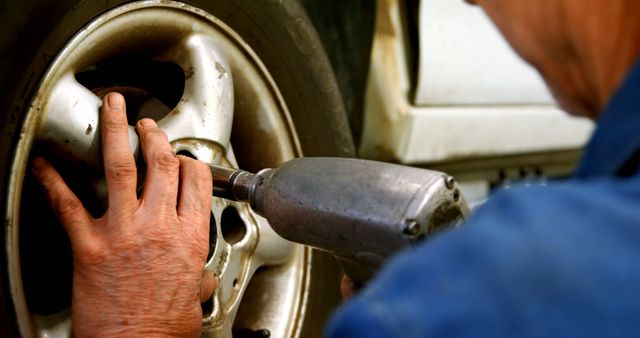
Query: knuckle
[[91, 254], [48, 181], [68, 207], [201, 173], [203, 169], [114, 124], [160, 238], [165, 161], [131, 244], [120, 169], [196, 171], [154, 134]]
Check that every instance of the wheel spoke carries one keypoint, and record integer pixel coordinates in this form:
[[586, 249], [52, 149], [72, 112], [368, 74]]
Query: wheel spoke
[[71, 122], [231, 263], [222, 330], [244, 242], [236, 264], [272, 249], [205, 111]]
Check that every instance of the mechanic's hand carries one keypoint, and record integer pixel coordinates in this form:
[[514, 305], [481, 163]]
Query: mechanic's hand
[[348, 288], [138, 270]]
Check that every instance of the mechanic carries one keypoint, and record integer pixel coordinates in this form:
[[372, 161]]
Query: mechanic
[[560, 260]]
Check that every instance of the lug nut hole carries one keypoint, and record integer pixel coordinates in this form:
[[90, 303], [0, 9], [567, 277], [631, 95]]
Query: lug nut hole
[[187, 154], [232, 225], [213, 236]]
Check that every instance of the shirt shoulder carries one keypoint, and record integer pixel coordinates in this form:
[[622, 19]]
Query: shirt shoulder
[[531, 262]]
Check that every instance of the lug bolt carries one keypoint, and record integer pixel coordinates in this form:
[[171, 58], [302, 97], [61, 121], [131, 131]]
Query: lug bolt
[[412, 228], [449, 182]]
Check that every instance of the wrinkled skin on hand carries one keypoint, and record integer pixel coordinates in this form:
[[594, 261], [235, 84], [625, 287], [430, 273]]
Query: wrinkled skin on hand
[[138, 270]]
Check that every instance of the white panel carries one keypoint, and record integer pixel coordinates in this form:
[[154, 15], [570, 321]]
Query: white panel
[[464, 60], [446, 133]]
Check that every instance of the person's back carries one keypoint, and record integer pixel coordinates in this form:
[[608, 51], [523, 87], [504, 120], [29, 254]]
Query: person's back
[[555, 260]]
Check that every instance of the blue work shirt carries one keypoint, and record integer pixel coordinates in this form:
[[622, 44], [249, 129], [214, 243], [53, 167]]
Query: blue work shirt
[[555, 261]]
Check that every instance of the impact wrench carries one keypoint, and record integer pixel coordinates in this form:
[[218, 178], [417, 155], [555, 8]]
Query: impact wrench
[[360, 211]]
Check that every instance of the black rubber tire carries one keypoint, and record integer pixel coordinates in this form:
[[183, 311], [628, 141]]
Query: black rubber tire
[[280, 33], [347, 28]]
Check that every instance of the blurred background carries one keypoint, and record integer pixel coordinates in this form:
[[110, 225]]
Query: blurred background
[[433, 84]]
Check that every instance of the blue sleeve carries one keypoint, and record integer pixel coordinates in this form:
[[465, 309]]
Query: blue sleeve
[[542, 262]]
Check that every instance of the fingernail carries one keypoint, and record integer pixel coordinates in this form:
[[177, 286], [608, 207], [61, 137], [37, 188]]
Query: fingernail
[[114, 101], [146, 123]]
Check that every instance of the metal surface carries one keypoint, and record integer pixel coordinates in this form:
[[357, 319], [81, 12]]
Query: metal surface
[[208, 52], [232, 184], [205, 111], [71, 122], [361, 211], [298, 198]]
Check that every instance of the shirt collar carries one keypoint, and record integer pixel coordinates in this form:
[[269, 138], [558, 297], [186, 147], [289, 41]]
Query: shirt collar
[[616, 139]]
